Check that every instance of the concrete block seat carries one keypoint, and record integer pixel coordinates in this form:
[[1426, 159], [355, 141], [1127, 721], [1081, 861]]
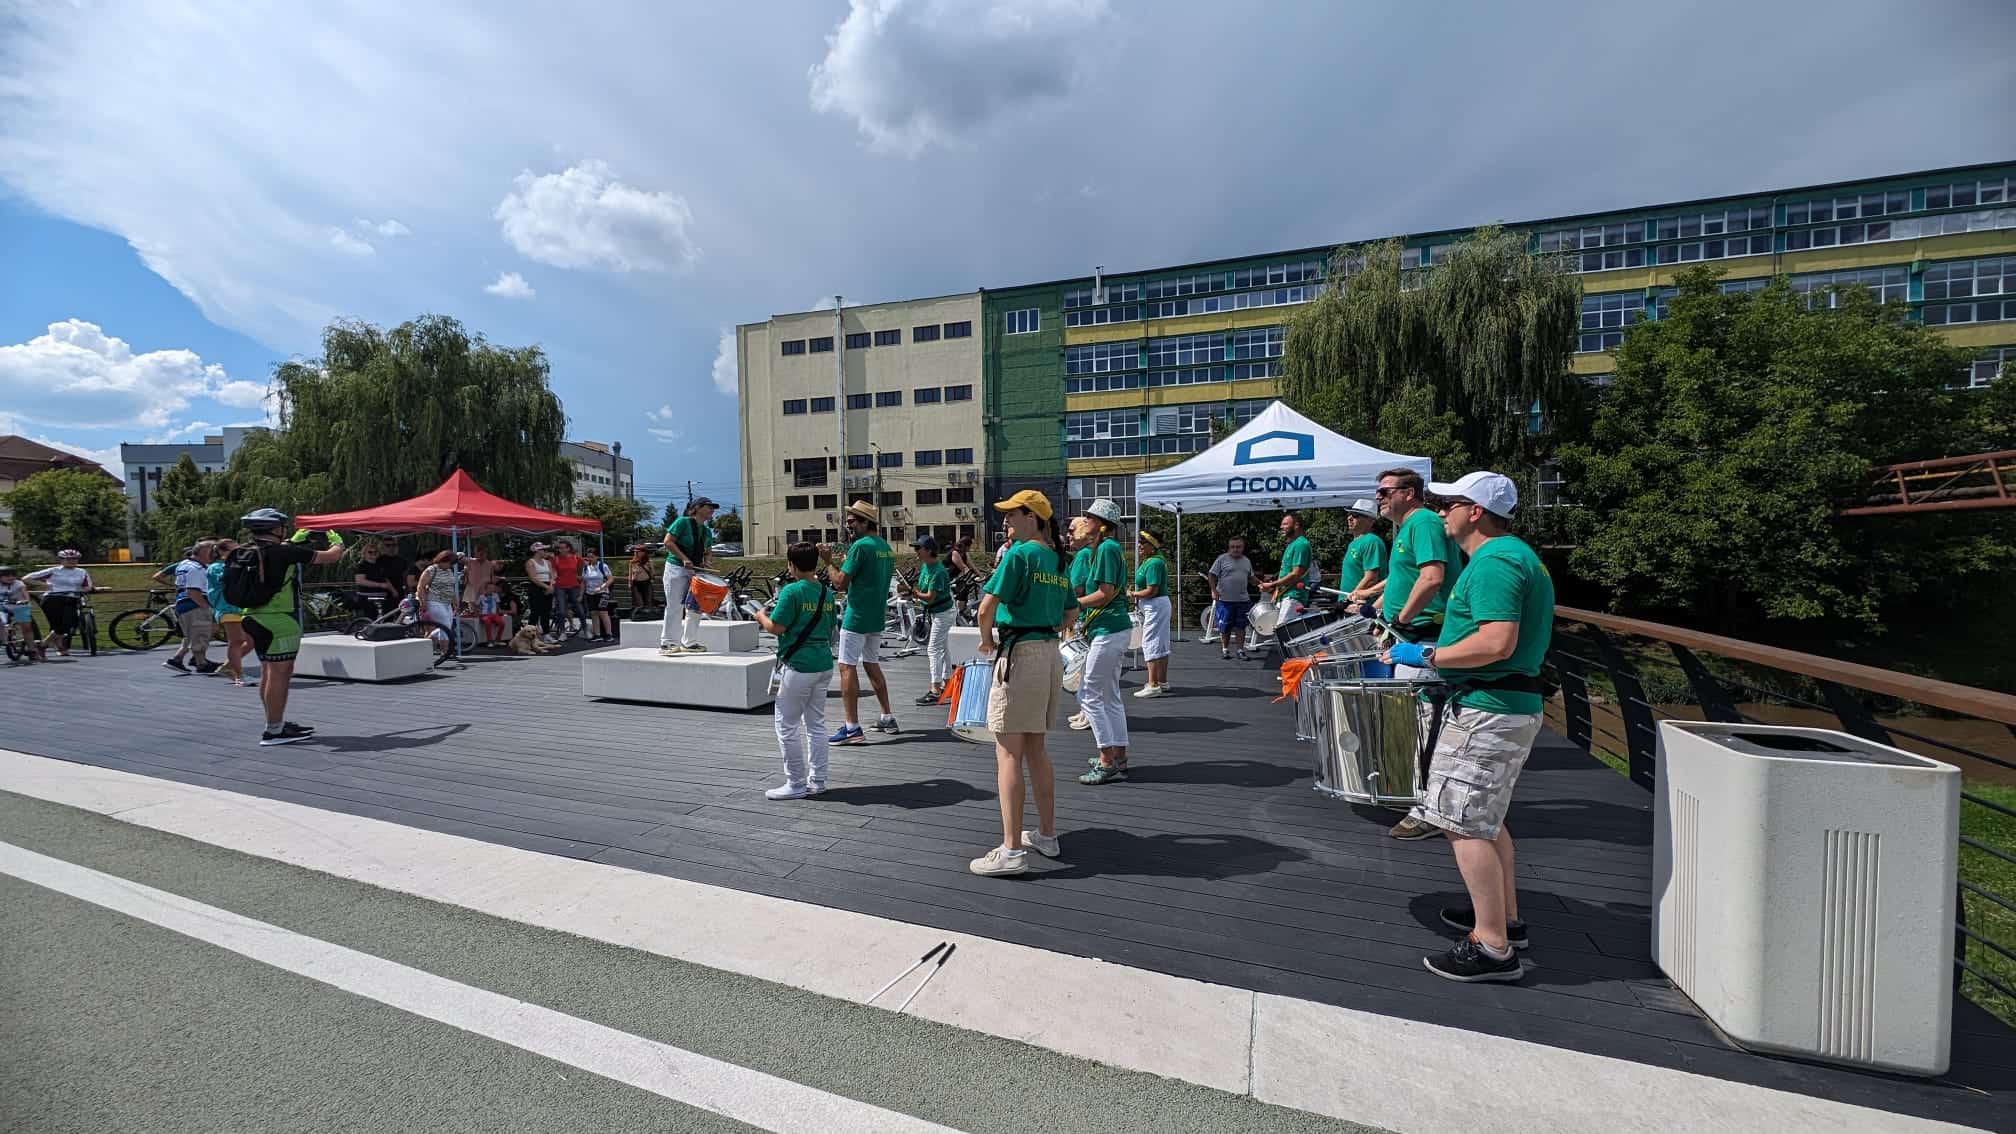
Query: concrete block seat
[[707, 681], [348, 658], [718, 635]]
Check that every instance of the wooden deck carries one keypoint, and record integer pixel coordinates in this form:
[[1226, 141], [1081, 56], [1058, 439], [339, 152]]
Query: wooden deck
[[1215, 861]]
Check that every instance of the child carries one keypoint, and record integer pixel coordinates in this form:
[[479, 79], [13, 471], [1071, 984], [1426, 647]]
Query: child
[[17, 617], [489, 612], [802, 620]]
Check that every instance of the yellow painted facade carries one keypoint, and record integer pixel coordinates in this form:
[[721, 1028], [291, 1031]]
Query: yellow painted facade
[[1180, 325]]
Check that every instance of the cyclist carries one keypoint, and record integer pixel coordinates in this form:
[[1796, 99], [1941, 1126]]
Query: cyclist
[[275, 625], [67, 583], [17, 615]]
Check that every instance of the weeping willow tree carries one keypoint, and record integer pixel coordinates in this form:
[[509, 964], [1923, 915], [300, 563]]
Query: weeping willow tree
[[1444, 362], [384, 415]]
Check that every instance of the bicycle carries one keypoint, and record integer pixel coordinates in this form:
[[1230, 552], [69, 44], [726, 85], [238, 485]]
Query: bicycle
[[406, 620], [87, 621], [145, 627], [20, 641]]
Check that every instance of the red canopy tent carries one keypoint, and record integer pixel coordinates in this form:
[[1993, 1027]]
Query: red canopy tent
[[459, 506]]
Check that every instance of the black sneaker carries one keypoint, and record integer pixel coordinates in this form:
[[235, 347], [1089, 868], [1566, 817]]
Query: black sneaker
[[207, 668], [1469, 963], [928, 699], [288, 733], [1465, 919], [176, 665], [888, 725]]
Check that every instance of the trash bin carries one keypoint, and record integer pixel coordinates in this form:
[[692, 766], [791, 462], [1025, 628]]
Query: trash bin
[[1803, 890]]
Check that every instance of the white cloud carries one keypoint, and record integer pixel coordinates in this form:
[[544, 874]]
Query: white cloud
[[386, 228], [190, 431], [511, 285], [349, 245], [917, 73], [668, 436], [583, 217], [77, 376], [662, 413], [107, 458], [725, 365]]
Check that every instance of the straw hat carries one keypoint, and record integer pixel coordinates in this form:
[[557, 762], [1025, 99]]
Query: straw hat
[[866, 511]]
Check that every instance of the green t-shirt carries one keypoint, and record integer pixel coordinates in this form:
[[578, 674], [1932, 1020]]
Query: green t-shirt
[[1366, 553], [693, 537], [803, 602], [1419, 539], [868, 565], [1299, 554], [1033, 595], [1504, 582], [934, 578], [1092, 568], [1153, 572]]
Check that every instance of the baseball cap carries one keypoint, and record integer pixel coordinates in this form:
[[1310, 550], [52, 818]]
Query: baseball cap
[[1027, 498], [1494, 492], [704, 502], [925, 543], [542, 547]]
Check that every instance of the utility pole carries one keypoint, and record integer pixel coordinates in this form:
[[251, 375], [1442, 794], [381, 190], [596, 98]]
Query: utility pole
[[616, 473], [689, 496]]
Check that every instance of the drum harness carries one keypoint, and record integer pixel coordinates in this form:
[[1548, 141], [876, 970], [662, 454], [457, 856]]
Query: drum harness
[[818, 613]]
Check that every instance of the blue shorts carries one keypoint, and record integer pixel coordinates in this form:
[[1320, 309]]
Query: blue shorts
[[23, 614], [1232, 615]]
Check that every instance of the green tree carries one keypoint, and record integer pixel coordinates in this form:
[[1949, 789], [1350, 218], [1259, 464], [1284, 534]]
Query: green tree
[[1451, 357], [728, 526], [389, 414], [1734, 429], [672, 510], [68, 508], [622, 518]]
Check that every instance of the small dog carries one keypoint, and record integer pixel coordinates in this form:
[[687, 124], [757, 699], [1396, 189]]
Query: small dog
[[526, 642]]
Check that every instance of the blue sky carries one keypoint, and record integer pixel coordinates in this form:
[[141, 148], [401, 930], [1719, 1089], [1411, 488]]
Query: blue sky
[[186, 197]]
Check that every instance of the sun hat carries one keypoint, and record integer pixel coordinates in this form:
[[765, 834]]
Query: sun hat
[[1104, 509], [865, 511], [1364, 507]]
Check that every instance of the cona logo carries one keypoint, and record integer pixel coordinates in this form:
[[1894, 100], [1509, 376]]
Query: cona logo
[[1270, 484]]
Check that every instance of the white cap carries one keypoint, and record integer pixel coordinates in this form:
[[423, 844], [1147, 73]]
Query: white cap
[[1364, 507], [1495, 492]]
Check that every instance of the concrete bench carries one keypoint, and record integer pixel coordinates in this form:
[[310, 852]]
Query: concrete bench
[[720, 637], [708, 681], [347, 658]]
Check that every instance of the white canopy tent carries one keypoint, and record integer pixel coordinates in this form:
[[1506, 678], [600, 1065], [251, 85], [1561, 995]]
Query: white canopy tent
[[1278, 461]]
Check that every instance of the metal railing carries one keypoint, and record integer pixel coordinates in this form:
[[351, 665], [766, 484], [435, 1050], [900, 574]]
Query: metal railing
[[1618, 677]]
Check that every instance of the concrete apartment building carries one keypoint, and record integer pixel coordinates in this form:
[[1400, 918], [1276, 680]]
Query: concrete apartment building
[[871, 402], [600, 469]]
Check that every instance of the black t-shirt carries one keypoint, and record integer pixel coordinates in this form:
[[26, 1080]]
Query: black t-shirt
[[278, 560], [386, 569]]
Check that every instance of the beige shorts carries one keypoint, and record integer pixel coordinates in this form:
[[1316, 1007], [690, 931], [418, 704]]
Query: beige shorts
[[1027, 700], [1478, 757]]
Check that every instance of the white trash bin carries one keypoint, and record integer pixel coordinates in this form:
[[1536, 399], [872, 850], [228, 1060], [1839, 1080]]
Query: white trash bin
[[1803, 891]]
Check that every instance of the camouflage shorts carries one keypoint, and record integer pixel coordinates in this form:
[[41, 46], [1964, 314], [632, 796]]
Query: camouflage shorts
[[1478, 756]]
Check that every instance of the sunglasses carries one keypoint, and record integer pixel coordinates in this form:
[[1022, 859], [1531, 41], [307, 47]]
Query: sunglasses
[[1383, 493]]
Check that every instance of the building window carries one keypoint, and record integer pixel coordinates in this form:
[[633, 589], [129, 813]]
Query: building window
[[1951, 224], [1100, 297], [1100, 316], [1083, 490], [927, 333], [890, 499], [822, 345], [826, 500], [958, 496], [1823, 289], [958, 393], [808, 474], [926, 497], [924, 396], [1969, 193], [1264, 342], [794, 406], [1719, 248], [1986, 290], [1027, 321], [1859, 207], [1275, 275], [822, 405], [793, 346], [1202, 284], [1092, 383], [797, 503], [1713, 224], [1988, 367], [958, 456], [1244, 371], [1192, 377], [1605, 316], [926, 458], [1743, 287], [1098, 358], [886, 398], [860, 460], [857, 340], [860, 401], [963, 329], [1832, 235], [1185, 350], [889, 460]]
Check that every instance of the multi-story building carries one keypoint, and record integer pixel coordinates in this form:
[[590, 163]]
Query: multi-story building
[[145, 465], [599, 469], [1093, 380], [21, 458], [873, 402]]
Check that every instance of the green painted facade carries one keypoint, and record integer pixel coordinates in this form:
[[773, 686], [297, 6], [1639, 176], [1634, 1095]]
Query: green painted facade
[[1023, 409]]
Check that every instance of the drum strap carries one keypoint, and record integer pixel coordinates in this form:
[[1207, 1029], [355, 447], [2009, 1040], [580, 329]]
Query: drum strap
[[799, 642], [1438, 700], [1006, 651]]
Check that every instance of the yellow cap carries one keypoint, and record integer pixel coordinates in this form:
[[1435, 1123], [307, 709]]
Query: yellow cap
[[1027, 498]]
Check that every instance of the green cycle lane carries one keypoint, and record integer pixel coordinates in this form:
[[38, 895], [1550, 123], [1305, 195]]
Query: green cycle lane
[[114, 1023]]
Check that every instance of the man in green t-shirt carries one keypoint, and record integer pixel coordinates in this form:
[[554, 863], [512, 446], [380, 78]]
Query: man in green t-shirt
[[688, 542], [864, 578], [802, 619], [1290, 589], [1364, 573], [1499, 623], [1424, 564], [934, 590]]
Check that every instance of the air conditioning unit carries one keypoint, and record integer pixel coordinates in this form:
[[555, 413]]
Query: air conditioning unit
[[830, 517], [972, 476], [952, 477]]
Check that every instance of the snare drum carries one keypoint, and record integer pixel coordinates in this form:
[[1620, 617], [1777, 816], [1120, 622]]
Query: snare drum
[[1368, 748], [1289, 629], [1309, 714], [1074, 651], [1336, 638], [969, 712]]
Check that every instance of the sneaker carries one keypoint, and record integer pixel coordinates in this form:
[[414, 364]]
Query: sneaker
[[695, 648], [816, 787], [848, 734], [789, 791], [1000, 860], [1465, 919], [176, 665], [1103, 774], [1079, 722], [670, 649], [287, 733], [1224, 655], [1241, 655], [1411, 829], [1469, 963], [1048, 848], [207, 668], [930, 698], [1153, 691], [888, 725]]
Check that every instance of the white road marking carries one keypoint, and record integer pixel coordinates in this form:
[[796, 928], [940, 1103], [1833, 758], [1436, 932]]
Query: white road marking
[[754, 1097]]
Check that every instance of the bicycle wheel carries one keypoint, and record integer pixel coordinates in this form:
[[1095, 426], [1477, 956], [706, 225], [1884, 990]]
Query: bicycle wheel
[[143, 629], [87, 625], [14, 650], [444, 646]]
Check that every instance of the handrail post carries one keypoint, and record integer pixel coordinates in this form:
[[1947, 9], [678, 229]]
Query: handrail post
[[1575, 700], [1855, 717], [1715, 702], [1641, 736]]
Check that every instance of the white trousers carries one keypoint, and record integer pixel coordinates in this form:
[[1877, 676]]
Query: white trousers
[[939, 647], [443, 617], [1099, 693], [682, 623], [1154, 628], [801, 725]]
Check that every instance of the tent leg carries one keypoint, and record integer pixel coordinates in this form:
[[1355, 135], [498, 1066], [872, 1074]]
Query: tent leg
[[1176, 631], [455, 612]]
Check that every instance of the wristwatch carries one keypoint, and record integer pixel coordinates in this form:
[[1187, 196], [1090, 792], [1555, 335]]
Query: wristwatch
[[1428, 656]]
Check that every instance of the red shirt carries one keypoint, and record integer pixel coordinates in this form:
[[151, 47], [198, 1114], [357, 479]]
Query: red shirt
[[566, 570]]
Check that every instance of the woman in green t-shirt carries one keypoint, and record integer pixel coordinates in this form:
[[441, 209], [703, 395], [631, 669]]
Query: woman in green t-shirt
[[802, 619], [1151, 598], [933, 589], [1098, 575]]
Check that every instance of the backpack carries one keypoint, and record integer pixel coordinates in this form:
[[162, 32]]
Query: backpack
[[246, 584]]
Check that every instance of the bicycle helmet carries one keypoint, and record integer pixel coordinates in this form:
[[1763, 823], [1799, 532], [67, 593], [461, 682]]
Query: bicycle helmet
[[69, 553], [264, 520]]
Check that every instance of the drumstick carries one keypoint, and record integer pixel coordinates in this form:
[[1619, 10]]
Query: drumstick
[[906, 972], [927, 978]]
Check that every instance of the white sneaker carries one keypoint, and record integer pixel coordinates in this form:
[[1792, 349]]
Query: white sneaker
[[1048, 848], [1079, 722], [788, 791], [1152, 691], [1000, 860], [695, 648], [670, 649]]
